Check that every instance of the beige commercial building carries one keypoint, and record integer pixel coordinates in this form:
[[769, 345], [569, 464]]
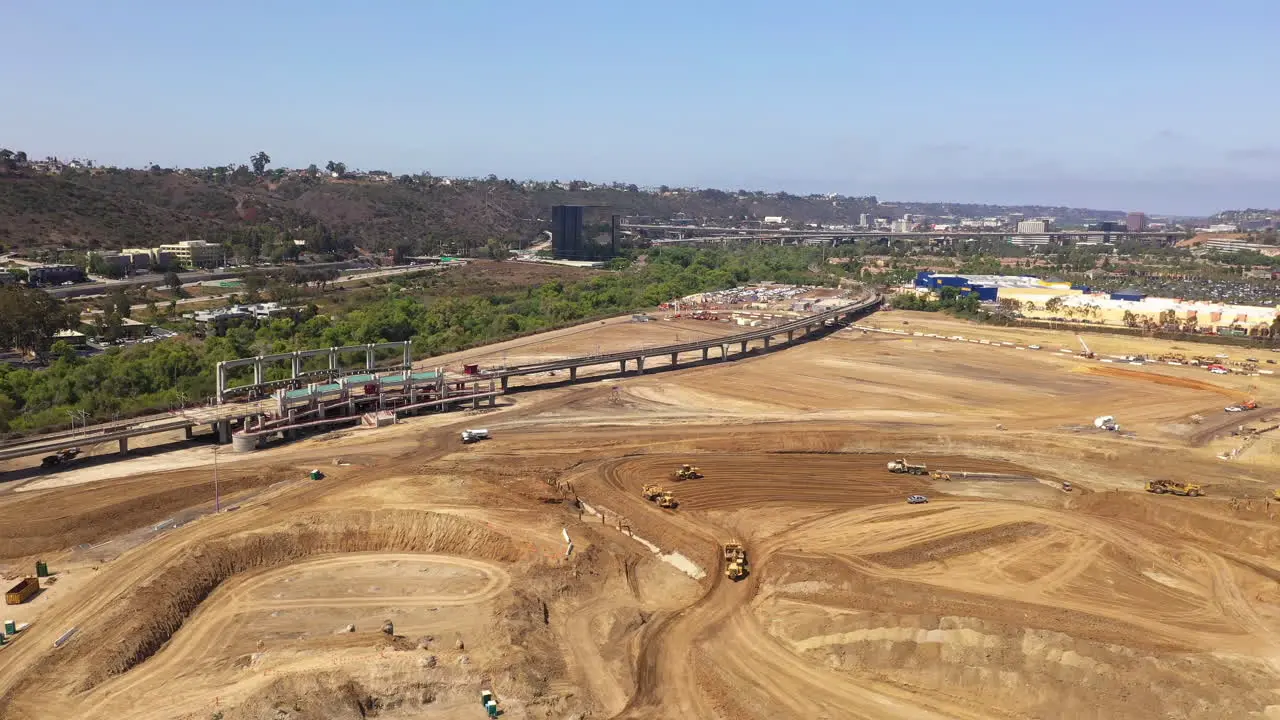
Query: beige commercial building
[[194, 253]]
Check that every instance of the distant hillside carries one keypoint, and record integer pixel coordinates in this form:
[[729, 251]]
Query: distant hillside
[[49, 205]]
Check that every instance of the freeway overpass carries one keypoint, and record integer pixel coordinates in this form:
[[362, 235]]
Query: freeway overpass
[[707, 233]]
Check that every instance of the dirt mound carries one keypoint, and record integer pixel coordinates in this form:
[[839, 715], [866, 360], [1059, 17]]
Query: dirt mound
[[957, 544], [330, 696], [1031, 672], [145, 620]]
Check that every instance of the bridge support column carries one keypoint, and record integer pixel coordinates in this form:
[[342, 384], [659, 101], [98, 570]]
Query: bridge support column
[[808, 329], [408, 355], [505, 378], [493, 399], [622, 367], [187, 431], [222, 382], [297, 365], [333, 358], [257, 371], [368, 357], [766, 342], [573, 374], [640, 365], [673, 359], [124, 446], [791, 335], [744, 346], [706, 352], [724, 352], [224, 432]]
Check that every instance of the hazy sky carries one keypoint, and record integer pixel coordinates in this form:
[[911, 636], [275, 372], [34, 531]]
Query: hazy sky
[[1159, 105]]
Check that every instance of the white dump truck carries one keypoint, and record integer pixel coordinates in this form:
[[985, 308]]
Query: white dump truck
[[470, 436]]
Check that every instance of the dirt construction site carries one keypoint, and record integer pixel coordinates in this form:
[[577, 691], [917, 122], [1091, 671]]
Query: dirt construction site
[[420, 571]]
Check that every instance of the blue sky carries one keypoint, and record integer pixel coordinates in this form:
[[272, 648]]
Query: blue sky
[[1121, 104]]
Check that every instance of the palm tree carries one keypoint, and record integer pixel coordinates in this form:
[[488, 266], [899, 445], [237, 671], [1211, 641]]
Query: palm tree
[[260, 162]]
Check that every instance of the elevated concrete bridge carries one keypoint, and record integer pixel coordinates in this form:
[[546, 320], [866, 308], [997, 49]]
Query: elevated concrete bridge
[[221, 417], [723, 345]]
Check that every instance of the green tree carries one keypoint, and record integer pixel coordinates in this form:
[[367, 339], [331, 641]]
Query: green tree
[[260, 162], [497, 251], [29, 319], [172, 281]]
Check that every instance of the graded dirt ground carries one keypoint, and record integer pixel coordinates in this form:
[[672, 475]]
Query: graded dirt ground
[[1002, 597]]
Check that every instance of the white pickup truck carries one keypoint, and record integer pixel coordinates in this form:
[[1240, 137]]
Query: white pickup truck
[[470, 436]]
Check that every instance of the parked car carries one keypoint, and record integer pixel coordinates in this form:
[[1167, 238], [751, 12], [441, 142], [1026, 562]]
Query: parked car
[[917, 499]]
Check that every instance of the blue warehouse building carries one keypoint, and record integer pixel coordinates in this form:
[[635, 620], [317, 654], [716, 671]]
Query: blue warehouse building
[[927, 280]]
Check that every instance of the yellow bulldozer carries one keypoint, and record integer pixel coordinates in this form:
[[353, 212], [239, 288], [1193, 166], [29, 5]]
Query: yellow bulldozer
[[687, 472], [939, 475], [735, 560], [1173, 487], [1275, 494]]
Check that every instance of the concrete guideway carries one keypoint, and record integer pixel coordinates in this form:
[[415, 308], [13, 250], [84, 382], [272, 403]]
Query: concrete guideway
[[802, 326], [221, 417]]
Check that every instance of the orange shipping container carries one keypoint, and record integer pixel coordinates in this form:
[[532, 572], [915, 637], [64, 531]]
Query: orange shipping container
[[22, 592]]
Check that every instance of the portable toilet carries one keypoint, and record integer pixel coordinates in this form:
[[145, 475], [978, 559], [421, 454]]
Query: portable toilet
[[492, 708], [316, 475], [486, 697]]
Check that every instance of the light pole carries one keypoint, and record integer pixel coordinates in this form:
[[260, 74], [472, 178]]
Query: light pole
[[217, 495]]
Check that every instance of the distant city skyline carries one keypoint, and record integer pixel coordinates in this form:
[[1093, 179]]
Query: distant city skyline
[[1105, 105]]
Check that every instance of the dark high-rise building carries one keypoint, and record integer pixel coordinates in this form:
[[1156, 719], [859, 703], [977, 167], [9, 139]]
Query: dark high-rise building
[[567, 242], [1136, 222]]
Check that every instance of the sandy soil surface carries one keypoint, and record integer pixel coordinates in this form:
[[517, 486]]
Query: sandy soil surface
[[1002, 597]]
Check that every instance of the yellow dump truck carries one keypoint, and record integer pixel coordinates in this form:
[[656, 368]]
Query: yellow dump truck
[[735, 560], [902, 466]]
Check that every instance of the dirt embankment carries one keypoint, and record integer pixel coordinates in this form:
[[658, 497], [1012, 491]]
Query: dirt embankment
[[145, 619]]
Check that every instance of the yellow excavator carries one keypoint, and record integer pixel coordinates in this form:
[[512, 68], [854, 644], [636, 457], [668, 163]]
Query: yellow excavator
[[1275, 494], [1173, 487], [687, 472], [735, 560]]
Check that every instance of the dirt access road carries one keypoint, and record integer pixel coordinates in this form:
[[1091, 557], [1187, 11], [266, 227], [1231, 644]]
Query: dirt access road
[[997, 599]]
